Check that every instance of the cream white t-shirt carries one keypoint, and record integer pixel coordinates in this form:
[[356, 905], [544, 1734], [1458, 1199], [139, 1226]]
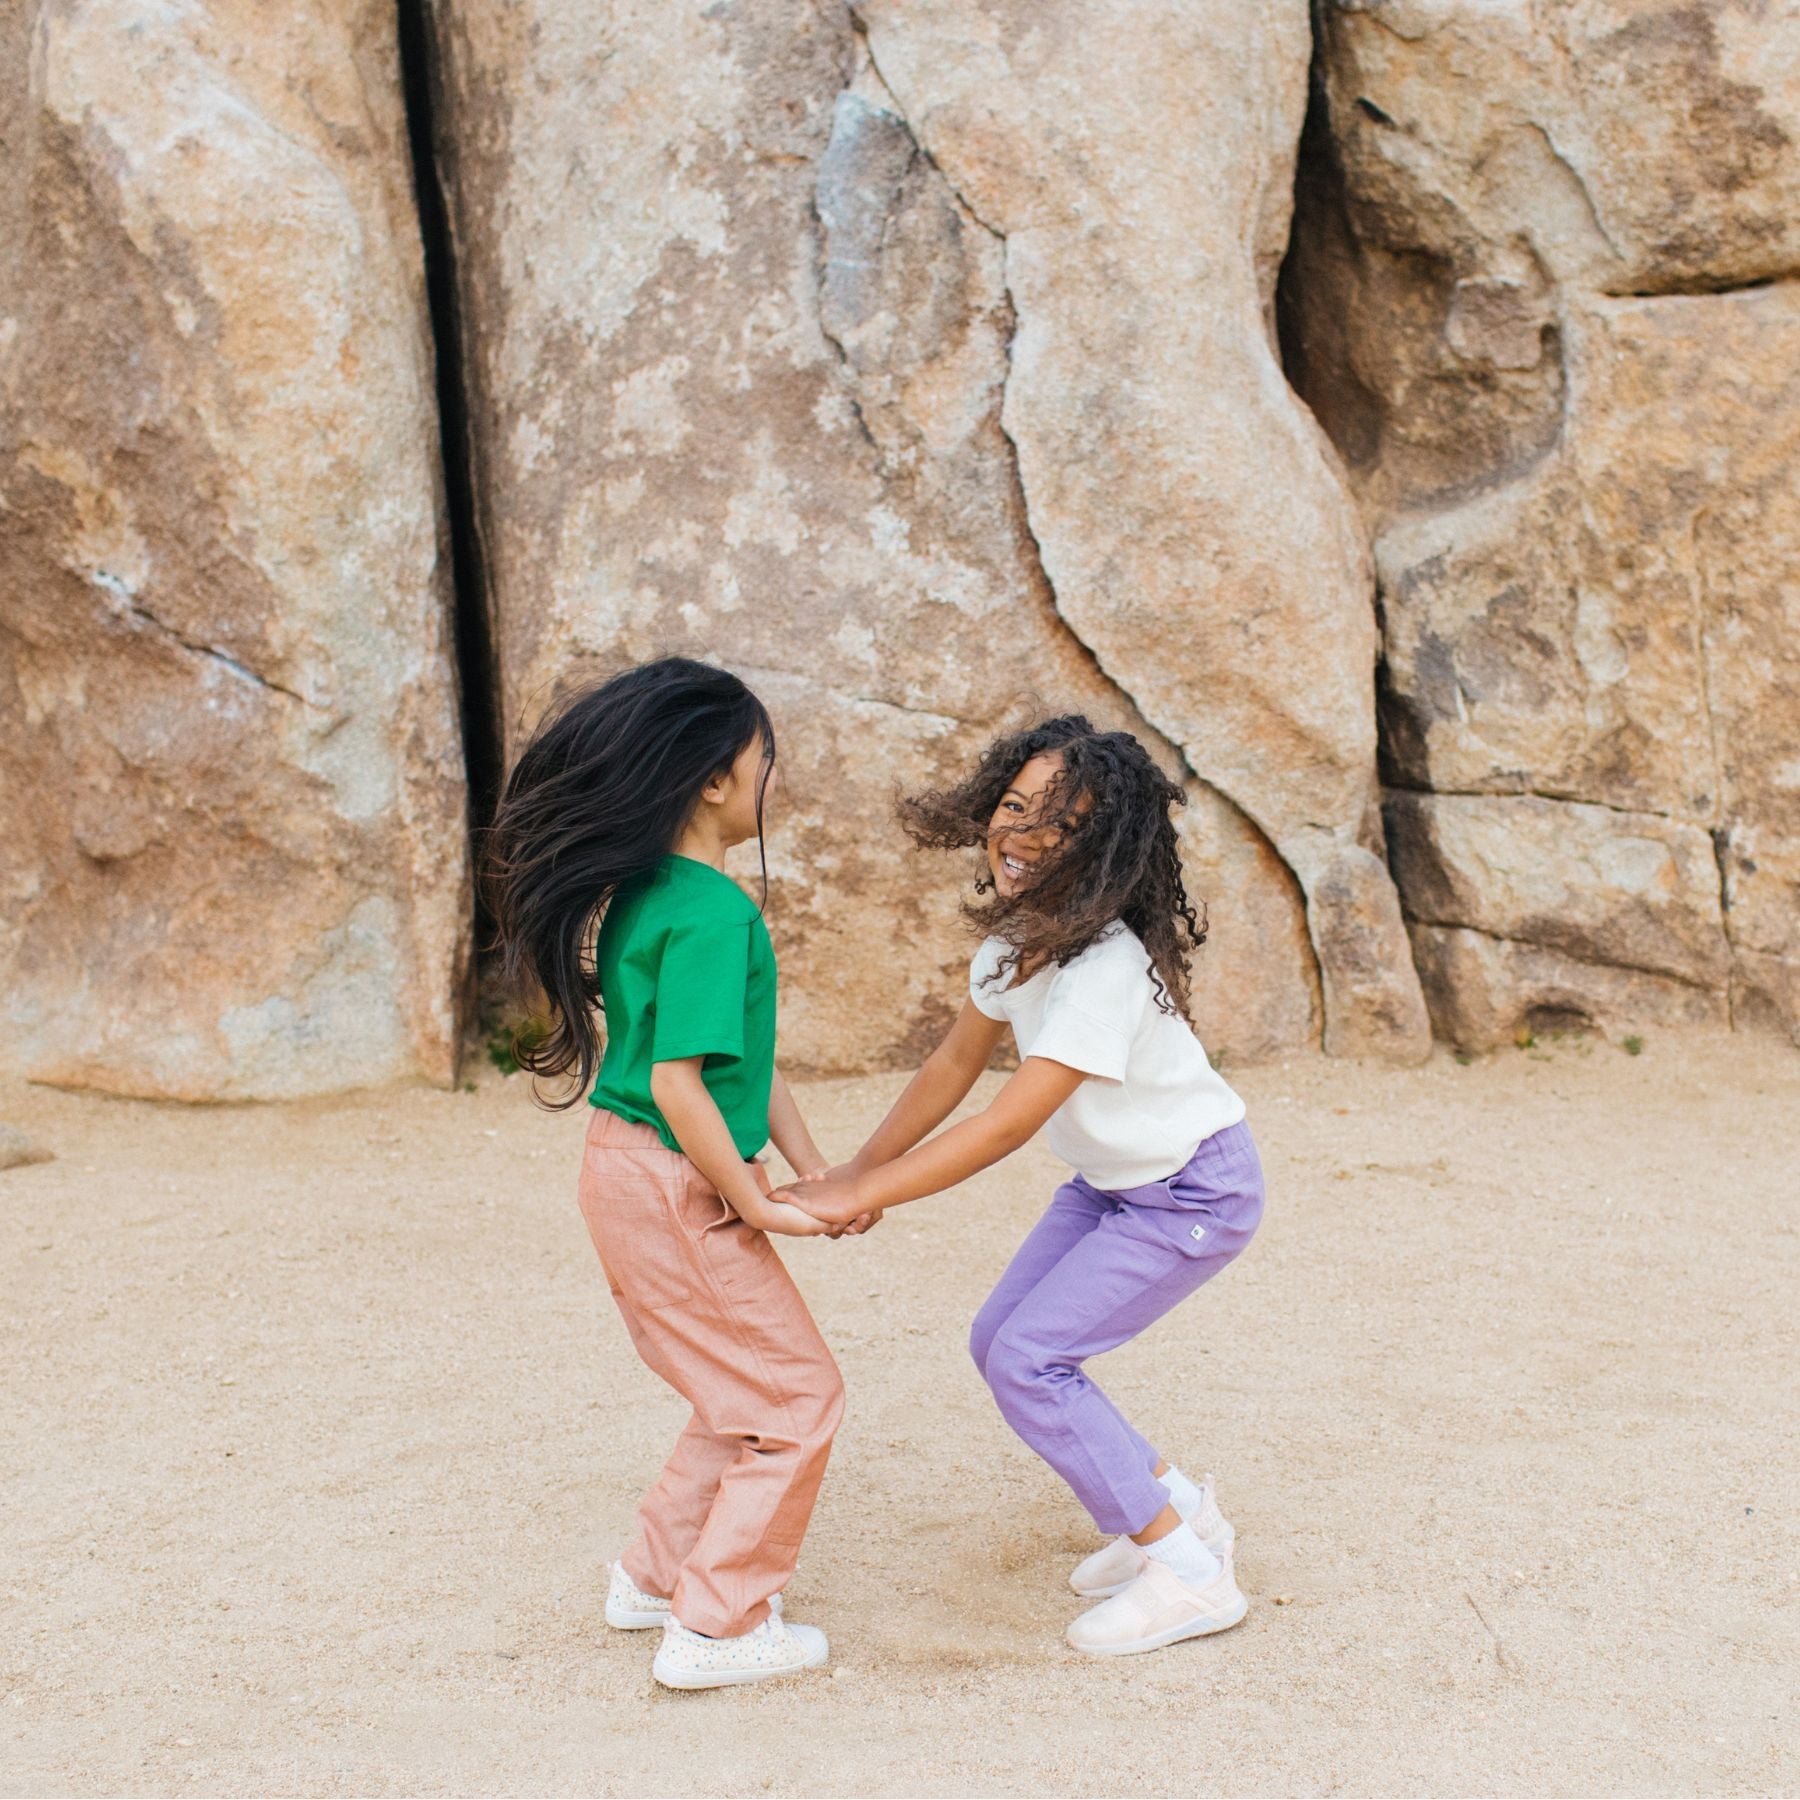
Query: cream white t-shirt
[[1153, 1096]]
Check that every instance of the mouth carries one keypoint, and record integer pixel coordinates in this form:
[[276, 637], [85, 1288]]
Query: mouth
[[1014, 868]]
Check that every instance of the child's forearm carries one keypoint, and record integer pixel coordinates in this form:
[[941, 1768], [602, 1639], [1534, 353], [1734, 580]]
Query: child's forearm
[[788, 1131], [1016, 1114], [948, 1158], [705, 1139], [930, 1098]]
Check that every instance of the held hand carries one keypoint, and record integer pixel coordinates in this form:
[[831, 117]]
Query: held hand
[[846, 1171], [831, 1199], [857, 1226], [773, 1214]]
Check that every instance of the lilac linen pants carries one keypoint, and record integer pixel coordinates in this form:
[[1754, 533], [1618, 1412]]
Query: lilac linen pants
[[1097, 1269]]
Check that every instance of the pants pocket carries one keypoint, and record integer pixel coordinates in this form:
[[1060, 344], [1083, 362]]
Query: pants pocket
[[1178, 1212], [633, 1215], [744, 1260], [1214, 1205], [660, 1267]]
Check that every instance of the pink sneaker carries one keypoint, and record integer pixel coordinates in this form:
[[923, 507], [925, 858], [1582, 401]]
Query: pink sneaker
[[1121, 1562], [1159, 1608]]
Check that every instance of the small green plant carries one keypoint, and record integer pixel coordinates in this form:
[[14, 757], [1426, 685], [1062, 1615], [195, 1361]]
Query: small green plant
[[1633, 1045], [1464, 1057], [505, 1041]]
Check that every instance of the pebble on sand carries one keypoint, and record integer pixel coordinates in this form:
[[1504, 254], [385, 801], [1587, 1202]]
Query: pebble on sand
[[17, 1150]]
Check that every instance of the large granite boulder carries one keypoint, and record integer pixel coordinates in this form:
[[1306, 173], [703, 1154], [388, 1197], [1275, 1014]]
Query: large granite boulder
[[1190, 520], [1580, 456], [917, 366], [232, 835]]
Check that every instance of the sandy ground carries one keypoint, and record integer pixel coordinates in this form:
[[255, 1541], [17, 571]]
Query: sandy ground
[[320, 1427]]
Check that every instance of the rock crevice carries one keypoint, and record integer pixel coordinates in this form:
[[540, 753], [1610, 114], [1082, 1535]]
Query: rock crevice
[[477, 660], [123, 603]]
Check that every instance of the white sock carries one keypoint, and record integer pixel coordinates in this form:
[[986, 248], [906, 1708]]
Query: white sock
[[1183, 1495], [1186, 1555]]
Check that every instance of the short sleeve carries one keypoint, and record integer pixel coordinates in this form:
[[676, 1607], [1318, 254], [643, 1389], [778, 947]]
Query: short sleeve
[[701, 991], [984, 990], [1092, 1013]]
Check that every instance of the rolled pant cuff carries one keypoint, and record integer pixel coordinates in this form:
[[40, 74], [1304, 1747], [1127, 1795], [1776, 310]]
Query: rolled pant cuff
[[718, 1624], [640, 1576], [1121, 1520]]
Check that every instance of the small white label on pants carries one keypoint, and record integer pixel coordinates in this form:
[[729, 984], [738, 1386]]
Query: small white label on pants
[[1197, 1233]]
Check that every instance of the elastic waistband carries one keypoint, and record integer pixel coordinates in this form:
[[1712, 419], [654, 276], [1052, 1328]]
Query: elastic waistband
[[1228, 1140], [1229, 1150], [608, 1128]]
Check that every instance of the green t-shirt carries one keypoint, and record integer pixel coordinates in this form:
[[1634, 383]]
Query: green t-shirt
[[686, 969]]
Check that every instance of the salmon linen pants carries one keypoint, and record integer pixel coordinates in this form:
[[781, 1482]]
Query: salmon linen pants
[[714, 1312]]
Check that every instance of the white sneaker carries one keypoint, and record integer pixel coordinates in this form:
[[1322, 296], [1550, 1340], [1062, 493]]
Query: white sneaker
[[1110, 1570], [688, 1660], [629, 1608], [1159, 1608]]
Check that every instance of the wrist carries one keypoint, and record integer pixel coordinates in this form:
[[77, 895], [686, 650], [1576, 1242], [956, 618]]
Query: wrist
[[747, 1203], [868, 1188]]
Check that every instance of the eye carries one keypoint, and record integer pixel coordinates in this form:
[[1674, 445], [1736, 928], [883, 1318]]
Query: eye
[[1012, 806]]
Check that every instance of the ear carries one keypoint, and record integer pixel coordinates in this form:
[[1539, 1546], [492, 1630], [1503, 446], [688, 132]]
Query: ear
[[714, 791]]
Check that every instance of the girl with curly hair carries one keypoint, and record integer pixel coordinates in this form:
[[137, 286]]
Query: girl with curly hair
[[1086, 928]]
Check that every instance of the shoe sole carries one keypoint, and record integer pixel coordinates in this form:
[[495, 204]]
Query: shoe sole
[[690, 1679], [1162, 1639], [1220, 1545], [622, 1620]]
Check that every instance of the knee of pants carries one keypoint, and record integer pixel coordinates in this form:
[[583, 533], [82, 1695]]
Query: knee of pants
[[1026, 1379]]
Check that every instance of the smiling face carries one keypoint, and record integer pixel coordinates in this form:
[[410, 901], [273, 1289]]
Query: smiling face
[[1030, 822]]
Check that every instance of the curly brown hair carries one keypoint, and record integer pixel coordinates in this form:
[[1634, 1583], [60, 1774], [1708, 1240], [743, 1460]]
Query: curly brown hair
[[1117, 858]]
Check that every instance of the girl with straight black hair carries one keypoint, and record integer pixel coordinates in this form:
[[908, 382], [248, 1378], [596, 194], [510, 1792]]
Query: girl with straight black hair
[[607, 884]]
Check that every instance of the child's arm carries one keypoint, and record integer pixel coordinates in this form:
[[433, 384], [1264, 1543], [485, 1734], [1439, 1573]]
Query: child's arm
[[941, 1085], [700, 1130], [788, 1130], [1015, 1115]]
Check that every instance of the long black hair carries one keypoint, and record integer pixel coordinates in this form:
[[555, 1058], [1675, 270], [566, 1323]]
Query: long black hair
[[1118, 858], [598, 796]]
